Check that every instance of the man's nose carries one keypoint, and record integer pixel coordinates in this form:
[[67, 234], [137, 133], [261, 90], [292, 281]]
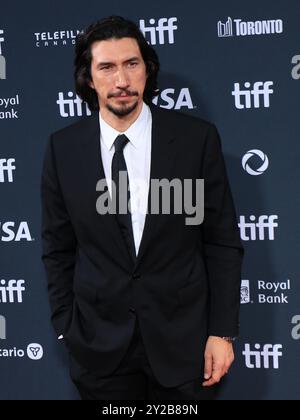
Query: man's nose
[[122, 78]]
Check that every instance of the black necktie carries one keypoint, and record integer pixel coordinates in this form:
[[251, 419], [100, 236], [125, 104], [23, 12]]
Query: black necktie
[[122, 192]]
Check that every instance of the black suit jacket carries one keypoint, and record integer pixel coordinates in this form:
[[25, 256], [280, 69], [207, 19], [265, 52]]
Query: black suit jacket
[[185, 283]]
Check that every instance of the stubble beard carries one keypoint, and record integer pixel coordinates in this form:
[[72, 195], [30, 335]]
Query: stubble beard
[[123, 110]]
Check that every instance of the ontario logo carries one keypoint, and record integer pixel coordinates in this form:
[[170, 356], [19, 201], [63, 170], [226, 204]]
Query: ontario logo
[[34, 351]]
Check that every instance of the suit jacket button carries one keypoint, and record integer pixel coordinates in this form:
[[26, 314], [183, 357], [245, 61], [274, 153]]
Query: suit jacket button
[[132, 310]]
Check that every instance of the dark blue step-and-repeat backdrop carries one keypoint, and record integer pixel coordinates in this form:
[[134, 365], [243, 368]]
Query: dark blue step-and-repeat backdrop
[[234, 63]]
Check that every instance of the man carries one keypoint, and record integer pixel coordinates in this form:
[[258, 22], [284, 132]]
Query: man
[[146, 303]]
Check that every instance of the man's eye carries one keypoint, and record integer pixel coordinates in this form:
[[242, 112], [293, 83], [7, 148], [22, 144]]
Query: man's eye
[[133, 64]]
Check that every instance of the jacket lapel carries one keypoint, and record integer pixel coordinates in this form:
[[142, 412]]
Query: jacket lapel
[[162, 161], [94, 171]]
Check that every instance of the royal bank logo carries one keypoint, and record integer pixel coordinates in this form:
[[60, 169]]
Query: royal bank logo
[[274, 292], [245, 292], [254, 156], [296, 68], [238, 27], [2, 58], [56, 38], [8, 108], [296, 327], [72, 106], [259, 228], [2, 328], [266, 292], [263, 356], [159, 31], [174, 99]]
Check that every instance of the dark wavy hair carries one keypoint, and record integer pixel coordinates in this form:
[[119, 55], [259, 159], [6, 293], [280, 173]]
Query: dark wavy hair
[[112, 27]]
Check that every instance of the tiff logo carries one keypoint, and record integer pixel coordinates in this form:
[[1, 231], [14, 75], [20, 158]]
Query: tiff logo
[[6, 170], [249, 98], [11, 290], [2, 58], [2, 328], [164, 25], [261, 230], [225, 29], [266, 358], [72, 107]]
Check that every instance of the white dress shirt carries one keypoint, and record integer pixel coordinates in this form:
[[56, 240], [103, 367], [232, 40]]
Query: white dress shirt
[[137, 154]]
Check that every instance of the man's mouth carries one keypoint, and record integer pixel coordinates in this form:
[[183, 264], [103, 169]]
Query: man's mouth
[[124, 95]]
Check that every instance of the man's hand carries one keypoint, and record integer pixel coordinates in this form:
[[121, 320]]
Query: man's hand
[[219, 356]]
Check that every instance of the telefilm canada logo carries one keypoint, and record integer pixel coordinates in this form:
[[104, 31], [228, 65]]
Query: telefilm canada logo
[[239, 27], [59, 38], [2, 58]]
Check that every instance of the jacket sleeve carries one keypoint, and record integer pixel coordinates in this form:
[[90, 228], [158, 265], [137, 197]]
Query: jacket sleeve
[[59, 244], [221, 239]]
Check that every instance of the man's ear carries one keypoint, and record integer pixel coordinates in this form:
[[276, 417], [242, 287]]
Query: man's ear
[[91, 84]]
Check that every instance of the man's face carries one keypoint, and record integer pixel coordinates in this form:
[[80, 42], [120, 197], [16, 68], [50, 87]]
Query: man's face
[[118, 75]]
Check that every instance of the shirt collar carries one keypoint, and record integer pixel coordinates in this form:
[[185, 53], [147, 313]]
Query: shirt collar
[[134, 132]]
